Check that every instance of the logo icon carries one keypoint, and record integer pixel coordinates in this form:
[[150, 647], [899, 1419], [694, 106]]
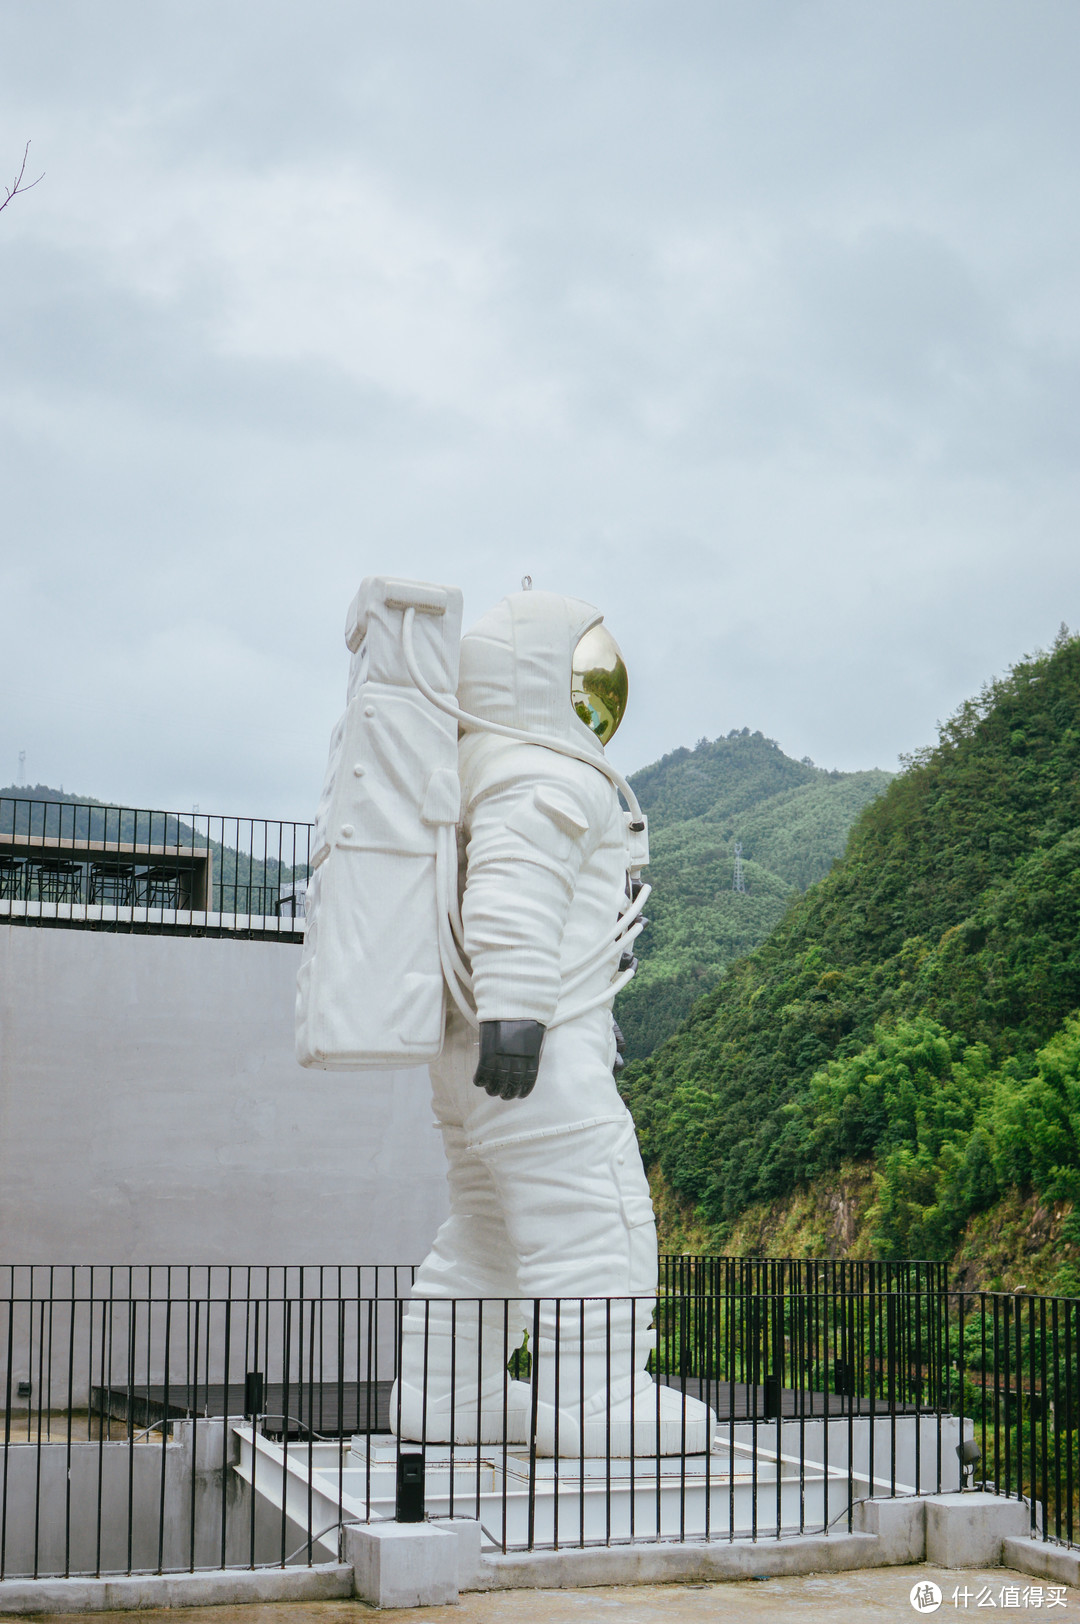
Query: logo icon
[[925, 1596]]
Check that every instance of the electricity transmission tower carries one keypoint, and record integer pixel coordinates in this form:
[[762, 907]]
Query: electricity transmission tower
[[738, 883]]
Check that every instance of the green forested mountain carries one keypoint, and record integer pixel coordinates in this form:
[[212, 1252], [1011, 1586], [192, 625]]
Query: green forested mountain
[[792, 820], [916, 1011]]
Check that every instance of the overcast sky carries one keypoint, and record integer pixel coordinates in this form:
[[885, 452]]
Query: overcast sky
[[754, 323]]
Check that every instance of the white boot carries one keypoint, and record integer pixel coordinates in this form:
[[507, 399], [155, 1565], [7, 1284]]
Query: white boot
[[606, 1406], [445, 1359]]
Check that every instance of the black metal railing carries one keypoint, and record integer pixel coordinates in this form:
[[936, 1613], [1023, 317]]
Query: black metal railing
[[125, 868], [695, 1274], [163, 1419]]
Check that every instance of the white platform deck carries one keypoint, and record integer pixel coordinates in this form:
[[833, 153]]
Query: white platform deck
[[735, 1491]]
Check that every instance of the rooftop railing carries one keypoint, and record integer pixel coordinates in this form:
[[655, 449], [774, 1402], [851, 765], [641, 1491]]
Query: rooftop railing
[[124, 868], [165, 1419]]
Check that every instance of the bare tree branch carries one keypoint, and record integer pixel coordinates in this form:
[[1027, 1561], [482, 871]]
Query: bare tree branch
[[13, 191]]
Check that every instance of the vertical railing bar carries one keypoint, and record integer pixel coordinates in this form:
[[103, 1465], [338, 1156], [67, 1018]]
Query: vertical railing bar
[[1056, 1409], [372, 1394], [453, 1406], [67, 1454], [633, 1411], [534, 1351], [38, 1384], [286, 1387], [1070, 1386], [166, 1407], [580, 1406], [104, 1419], [733, 1333], [193, 1410], [35, 1378], [826, 1423], [48, 1393], [226, 1436], [311, 1420], [1007, 1306], [340, 1356], [752, 1396], [503, 1361], [7, 1419], [557, 1399], [851, 1385], [251, 1362], [1033, 1429], [1018, 1321]]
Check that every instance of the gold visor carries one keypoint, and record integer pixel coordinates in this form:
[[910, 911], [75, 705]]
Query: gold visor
[[599, 683]]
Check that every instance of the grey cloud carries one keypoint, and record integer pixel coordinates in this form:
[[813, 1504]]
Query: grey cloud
[[754, 324]]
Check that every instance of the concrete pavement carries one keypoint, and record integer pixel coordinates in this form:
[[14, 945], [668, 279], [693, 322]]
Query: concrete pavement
[[874, 1595]]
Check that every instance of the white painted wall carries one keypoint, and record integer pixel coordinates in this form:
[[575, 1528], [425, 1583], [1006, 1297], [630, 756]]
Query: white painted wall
[[151, 1110]]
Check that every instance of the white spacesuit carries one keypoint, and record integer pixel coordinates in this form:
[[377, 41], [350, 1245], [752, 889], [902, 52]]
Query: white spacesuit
[[548, 1197]]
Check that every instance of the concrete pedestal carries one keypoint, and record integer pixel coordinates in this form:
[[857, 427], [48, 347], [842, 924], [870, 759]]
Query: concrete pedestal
[[967, 1530], [403, 1564], [899, 1526]]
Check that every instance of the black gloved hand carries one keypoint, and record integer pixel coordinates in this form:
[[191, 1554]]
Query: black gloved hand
[[509, 1057], [620, 1045]]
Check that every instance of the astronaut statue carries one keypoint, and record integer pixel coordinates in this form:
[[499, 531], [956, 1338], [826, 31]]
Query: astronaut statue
[[551, 1226]]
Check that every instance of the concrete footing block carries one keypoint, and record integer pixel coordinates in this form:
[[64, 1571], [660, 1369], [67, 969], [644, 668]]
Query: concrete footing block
[[403, 1564], [691, 1563], [230, 1587], [967, 1530], [899, 1525], [470, 1561], [1042, 1561]]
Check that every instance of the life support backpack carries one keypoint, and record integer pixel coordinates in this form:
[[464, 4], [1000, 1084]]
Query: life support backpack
[[371, 990], [383, 939]]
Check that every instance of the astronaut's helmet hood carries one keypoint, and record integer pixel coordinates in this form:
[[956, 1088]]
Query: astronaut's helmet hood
[[518, 667]]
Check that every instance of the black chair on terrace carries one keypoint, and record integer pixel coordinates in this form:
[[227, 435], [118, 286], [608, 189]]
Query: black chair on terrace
[[112, 884], [53, 880], [12, 879], [163, 888]]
